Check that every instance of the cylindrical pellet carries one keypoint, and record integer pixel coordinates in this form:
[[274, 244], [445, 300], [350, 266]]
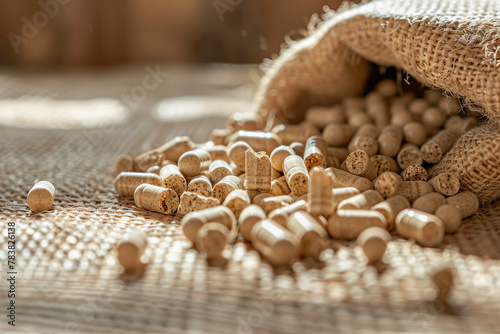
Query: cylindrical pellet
[[144, 161], [414, 173], [200, 185], [338, 134], [409, 155], [274, 242], [172, 178], [450, 216], [315, 153], [237, 153], [358, 163], [218, 170], [435, 148], [348, 224], [389, 140], [459, 124], [124, 163], [373, 241], [449, 105], [250, 216], [322, 116], [173, 149], [339, 153], [390, 209], [130, 250], [368, 130], [218, 152], [342, 179], [155, 198], [296, 174], [248, 121], [190, 202], [192, 222], [257, 171], [418, 106], [236, 201], [384, 164], [308, 233], [429, 202], [218, 136], [289, 133], [211, 239], [466, 202], [320, 192], [41, 196], [298, 148], [280, 186], [193, 162], [433, 118], [447, 184], [414, 189], [358, 119], [278, 156], [365, 143], [401, 118], [271, 203], [426, 229], [387, 88], [387, 184], [362, 201], [379, 114], [259, 141], [414, 133], [340, 194], [280, 215], [127, 182], [225, 186]]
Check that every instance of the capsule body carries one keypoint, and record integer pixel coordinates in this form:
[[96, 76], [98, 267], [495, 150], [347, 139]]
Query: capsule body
[[127, 182], [426, 229], [348, 224], [192, 222], [154, 198], [41, 196], [274, 242]]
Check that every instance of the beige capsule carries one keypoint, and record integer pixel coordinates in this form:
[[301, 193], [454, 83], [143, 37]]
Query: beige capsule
[[289, 133], [365, 143], [154, 170], [320, 192], [129, 252], [281, 214], [248, 121], [173, 149], [450, 216], [144, 161], [41, 196], [390, 208], [315, 153], [190, 202], [279, 187], [414, 173], [466, 202], [390, 140], [127, 182], [236, 201], [359, 163], [309, 234], [373, 241], [193, 162], [271, 203], [258, 140], [155, 198], [218, 152], [218, 170], [200, 185], [340, 194], [433, 118], [124, 163], [172, 178], [237, 152], [387, 184], [362, 201], [296, 174], [429, 202], [211, 239], [343, 179], [322, 116], [409, 155], [257, 171], [278, 156], [348, 224], [435, 148], [425, 228], [369, 130], [336, 134], [447, 184], [274, 242], [401, 118], [225, 186], [192, 222], [218, 136], [298, 148], [250, 216], [414, 189], [384, 164], [414, 133]]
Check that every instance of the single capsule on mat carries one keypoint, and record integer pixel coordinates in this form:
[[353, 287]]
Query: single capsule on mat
[[192, 222], [41, 196], [250, 216], [274, 242], [309, 234], [429, 202], [348, 224], [129, 252], [373, 241], [426, 229], [193, 162]]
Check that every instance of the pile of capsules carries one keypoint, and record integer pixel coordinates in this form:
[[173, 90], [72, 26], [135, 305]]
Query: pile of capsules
[[355, 171]]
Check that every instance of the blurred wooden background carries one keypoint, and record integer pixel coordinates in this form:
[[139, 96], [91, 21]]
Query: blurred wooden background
[[74, 33]]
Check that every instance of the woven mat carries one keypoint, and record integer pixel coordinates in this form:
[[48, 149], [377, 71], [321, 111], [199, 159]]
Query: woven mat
[[68, 271]]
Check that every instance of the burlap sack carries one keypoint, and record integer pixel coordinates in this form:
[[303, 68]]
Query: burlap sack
[[448, 44]]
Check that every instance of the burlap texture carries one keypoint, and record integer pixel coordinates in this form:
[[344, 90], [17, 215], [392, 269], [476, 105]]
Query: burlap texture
[[447, 44]]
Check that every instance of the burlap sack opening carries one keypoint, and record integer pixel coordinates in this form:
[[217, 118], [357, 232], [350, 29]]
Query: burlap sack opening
[[450, 44]]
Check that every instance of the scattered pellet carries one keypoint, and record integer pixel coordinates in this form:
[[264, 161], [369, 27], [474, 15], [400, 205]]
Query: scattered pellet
[[218, 152], [144, 161], [173, 149], [193, 162], [172, 178], [362, 201], [127, 182], [315, 153], [348, 224], [124, 163], [414, 173], [211, 239], [155, 198], [359, 163], [425, 228], [250, 216], [414, 189], [274, 242], [387, 184], [296, 174], [390, 140], [236, 201], [258, 140], [447, 184], [387, 88], [373, 241], [129, 252], [429, 202], [200, 185], [466, 202], [384, 164], [41, 196], [340, 194], [390, 208], [257, 171], [278, 156], [225, 186], [271, 203], [367, 130], [345, 179], [401, 118], [190, 202], [320, 192], [218, 170], [248, 121], [409, 155], [308, 233], [279, 187], [281, 214], [435, 148], [289, 133], [418, 106], [192, 222], [322, 116], [237, 153], [336, 134], [218, 136], [433, 118], [414, 133], [450, 216], [154, 170], [365, 143]]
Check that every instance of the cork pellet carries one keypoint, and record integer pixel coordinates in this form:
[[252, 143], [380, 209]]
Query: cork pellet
[[127, 182], [41, 196], [155, 198], [129, 252]]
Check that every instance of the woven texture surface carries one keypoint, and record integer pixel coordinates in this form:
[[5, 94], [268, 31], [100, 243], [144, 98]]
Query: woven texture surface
[[68, 274]]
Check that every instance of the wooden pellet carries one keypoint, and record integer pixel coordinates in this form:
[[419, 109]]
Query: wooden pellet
[[155, 198], [225, 186], [449, 105], [218, 170], [236, 170], [309, 234], [418, 106], [414, 189], [322, 116], [320, 192], [340, 194], [259, 197], [257, 171], [271, 203], [289, 133], [460, 125], [218, 136], [192, 222], [338, 134], [414, 173], [190, 202], [368, 130], [237, 153], [236, 201], [173, 149], [362, 201], [296, 174], [373, 241], [218, 152], [359, 163], [429, 202], [250, 216], [339, 153], [365, 143], [390, 208], [466, 202], [259, 141], [127, 182], [193, 162], [281, 214], [409, 155], [433, 118], [343, 179], [144, 161], [387, 88], [278, 156], [425, 228], [384, 164], [211, 239], [390, 140], [450, 216], [172, 178], [298, 148], [443, 280], [315, 153], [124, 163], [358, 119], [200, 185], [275, 174], [348, 224], [435, 148], [379, 114], [248, 121], [414, 133], [154, 170], [280, 186], [129, 252], [41, 196], [401, 118], [447, 184], [387, 184], [274, 242]]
